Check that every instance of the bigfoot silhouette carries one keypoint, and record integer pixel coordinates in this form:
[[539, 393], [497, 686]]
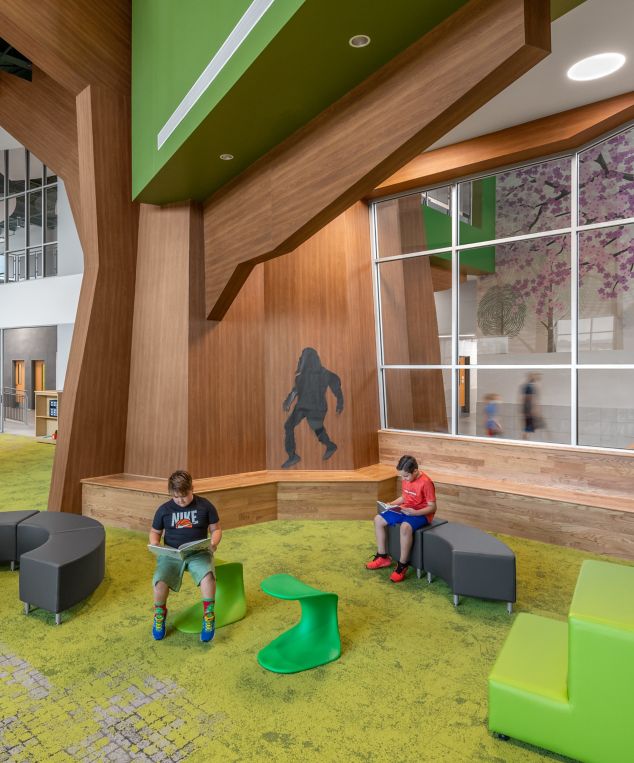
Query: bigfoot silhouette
[[311, 382]]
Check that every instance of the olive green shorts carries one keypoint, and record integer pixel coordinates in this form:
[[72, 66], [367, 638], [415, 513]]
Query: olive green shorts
[[171, 571]]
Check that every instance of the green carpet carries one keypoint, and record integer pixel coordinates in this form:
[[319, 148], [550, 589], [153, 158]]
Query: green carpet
[[411, 682]]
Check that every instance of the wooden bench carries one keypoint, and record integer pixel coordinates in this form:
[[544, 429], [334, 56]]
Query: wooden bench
[[130, 501], [582, 498]]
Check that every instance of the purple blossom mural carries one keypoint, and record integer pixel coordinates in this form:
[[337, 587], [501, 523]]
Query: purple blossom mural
[[537, 198]]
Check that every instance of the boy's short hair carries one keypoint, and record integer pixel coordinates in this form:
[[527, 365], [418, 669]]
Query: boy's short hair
[[407, 464], [179, 483]]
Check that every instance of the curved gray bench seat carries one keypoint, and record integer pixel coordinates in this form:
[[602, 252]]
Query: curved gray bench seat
[[416, 558], [9, 521], [62, 559], [471, 562]]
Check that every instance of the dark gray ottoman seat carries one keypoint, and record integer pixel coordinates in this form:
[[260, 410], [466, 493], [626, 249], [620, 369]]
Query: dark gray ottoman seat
[[62, 560], [471, 561], [9, 521], [416, 558]]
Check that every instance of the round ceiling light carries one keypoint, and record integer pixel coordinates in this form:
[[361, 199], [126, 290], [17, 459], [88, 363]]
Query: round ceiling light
[[595, 67], [359, 41], [226, 157]]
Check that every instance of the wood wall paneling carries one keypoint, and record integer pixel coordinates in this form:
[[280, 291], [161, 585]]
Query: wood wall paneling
[[321, 297], [368, 134], [587, 476], [156, 442], [93, 418], [558, 132], [227, 380]]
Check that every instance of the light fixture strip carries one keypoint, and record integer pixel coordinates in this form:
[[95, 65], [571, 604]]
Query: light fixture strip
[[236, 37]]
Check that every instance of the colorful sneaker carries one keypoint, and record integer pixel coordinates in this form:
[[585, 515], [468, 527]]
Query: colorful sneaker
[[209, 626], [158, 626], [399, 574], [378, 561]]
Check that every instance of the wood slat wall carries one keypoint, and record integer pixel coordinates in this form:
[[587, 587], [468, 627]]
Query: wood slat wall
[[594, 472], [130, 502]]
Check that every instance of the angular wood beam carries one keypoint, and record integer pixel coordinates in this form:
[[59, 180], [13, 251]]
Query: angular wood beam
[[344, 153], [75, 42], [548, 135], [93, 413], [41, 116]]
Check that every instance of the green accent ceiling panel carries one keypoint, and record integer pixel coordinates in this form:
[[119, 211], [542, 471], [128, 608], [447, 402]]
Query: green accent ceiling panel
[[295, 63]]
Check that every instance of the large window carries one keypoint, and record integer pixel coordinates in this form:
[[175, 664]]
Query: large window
[[505, 303], [28, 217]]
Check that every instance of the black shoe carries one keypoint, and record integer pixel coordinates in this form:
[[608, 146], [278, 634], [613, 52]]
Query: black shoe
[[329, 451], [291, 461]]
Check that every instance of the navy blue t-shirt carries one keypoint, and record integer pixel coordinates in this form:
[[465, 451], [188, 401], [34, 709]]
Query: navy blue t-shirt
[[183, 524]]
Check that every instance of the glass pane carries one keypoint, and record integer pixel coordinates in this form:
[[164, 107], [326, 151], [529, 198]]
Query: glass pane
[[416, 310], [50, 232], [606, 180], [516, 404], [16, 222], [414, 223], [418, 400], [512, 299], [35, 218], [524, 200], [17, 170], [17, 266], [606, 295], [50, 260], [606, 408], [35, 263], [2, 230], [36, 171], [2, 173], [2, 268], [51, 177]]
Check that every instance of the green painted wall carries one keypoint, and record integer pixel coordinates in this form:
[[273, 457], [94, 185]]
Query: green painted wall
[[172, 43]]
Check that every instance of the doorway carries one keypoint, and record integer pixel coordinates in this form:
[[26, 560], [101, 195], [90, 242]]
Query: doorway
[[39, 376], [18, 380]]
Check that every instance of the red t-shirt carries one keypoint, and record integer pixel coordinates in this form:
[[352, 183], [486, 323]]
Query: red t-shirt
[[419, 493]]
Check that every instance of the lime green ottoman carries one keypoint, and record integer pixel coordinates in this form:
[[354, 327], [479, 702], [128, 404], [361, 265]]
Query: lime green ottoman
[[567, 686], [231, 602], [314, 640]]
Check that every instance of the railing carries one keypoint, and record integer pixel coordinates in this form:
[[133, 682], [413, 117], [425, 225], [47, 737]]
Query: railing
[[16, 404]]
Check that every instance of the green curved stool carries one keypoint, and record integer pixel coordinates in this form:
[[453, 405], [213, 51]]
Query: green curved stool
[[314, 640], [231, 603]]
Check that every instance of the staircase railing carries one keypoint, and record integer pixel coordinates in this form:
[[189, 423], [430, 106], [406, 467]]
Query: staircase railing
[[16, 404]]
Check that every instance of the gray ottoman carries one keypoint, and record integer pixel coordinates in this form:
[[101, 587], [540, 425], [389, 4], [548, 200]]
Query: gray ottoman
[[9, 521], [472, 562], [62, 560], [416, 558]]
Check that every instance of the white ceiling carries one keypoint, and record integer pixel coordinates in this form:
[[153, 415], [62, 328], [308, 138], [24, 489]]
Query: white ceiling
[[595, 26]]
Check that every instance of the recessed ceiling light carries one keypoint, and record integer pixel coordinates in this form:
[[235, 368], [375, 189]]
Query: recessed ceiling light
[[226, 157], [359, 41], [595, 67]]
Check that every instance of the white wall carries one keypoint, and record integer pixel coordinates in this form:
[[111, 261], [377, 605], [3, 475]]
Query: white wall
[[64, 337], [43, 302], [70, 257]]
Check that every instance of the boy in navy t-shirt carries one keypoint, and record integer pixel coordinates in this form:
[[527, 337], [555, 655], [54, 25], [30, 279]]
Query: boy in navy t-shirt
[[185, 518]]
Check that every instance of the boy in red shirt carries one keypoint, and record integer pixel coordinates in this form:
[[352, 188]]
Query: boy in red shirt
[[414, 509]]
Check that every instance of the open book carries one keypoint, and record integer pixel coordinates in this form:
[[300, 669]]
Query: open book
[[386, 507], [183, 551]]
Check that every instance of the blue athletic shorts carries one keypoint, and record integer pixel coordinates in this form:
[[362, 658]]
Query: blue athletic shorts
[[397, 518]]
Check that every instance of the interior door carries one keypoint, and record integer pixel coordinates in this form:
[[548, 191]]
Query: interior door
[[39, 376], [18, 380]]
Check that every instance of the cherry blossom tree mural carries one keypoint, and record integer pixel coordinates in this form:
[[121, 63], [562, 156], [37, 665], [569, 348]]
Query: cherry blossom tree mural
[[537, 271]]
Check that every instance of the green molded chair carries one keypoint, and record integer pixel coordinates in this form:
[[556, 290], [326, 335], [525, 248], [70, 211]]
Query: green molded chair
[[231, 603], [314, 640], [567, 686]]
